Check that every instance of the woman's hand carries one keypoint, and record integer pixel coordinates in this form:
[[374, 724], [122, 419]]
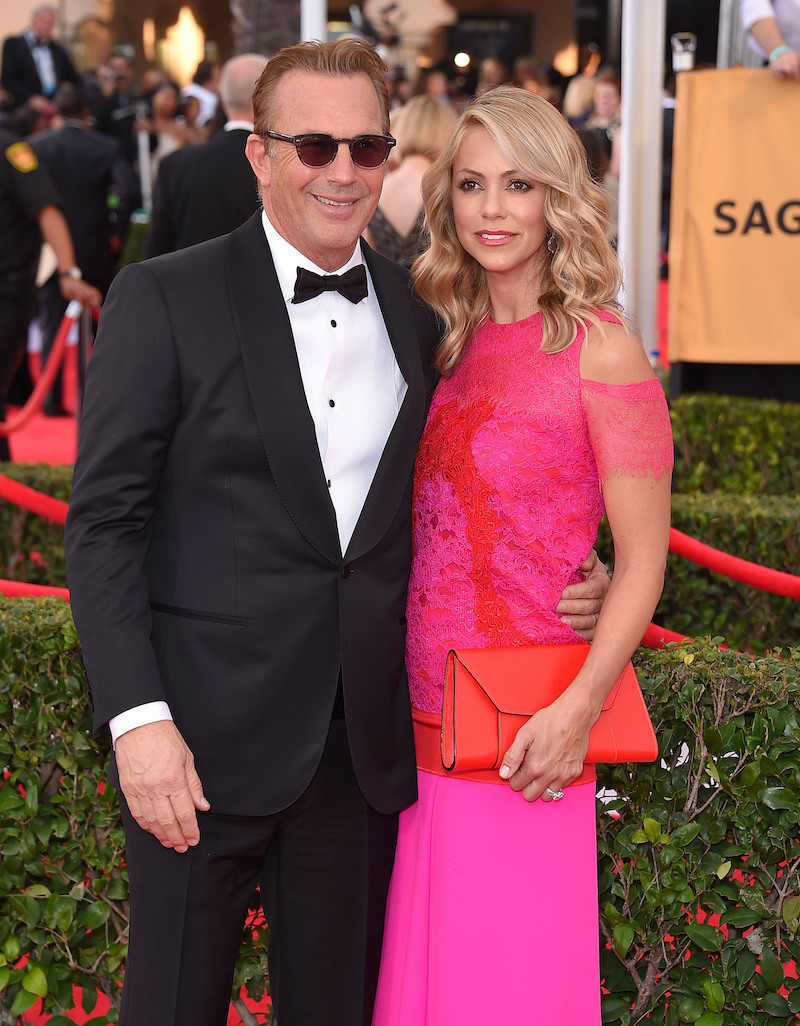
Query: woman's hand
[[549, 750]]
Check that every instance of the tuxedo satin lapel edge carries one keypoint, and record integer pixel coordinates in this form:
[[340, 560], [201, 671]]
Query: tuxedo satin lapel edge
[[397, 461], [276, 387]]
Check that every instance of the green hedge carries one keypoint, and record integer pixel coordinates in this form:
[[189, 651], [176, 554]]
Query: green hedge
[[699, 883], [63, 881], [32, 547], [731, 444], [714, 831], [761, 529]]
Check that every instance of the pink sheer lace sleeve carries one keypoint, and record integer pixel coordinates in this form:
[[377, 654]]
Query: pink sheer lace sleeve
[[629, 428]]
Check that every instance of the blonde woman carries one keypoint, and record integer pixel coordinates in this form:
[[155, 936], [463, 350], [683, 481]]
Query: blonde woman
[[547, 415], [421, 127]]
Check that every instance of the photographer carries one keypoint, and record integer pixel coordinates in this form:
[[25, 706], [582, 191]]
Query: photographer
[[113, 103]]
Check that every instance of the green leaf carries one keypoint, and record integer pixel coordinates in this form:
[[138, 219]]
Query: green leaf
[[703, 935], [117, 889], [614, 1007], [745, 967], [623, 938], [740, 917], [709, 1019], [714, 994], [95, 915], [22, 1002], [776, 1006], [723, 869], [38, 891], [771, 970], [5, 972], [690, 1008], [652, 829], [778, 798], [35, 982], [685, 834], [713, 740], [791, 913]]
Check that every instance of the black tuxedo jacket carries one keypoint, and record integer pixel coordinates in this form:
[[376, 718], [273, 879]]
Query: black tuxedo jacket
[[201, 192], [203, 556], [19, 76], [86, 167]]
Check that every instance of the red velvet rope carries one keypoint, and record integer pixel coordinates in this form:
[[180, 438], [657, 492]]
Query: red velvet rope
[[49, 372], [36, 502], [15, 589], [657, 637], [776, 582]]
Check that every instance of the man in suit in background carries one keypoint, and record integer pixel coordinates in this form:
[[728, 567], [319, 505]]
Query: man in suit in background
[[88, 169], [207, 190], [238, 548], [34, 65], [114, 103]]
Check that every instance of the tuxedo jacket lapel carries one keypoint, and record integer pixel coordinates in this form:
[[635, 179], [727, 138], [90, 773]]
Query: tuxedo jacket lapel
[[276, 387], [397, 462]]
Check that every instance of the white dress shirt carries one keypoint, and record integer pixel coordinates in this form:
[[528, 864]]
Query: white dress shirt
[[43, 59], [354, 390]]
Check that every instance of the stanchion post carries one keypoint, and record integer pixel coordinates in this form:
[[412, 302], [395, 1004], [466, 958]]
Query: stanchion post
[[84, 334]]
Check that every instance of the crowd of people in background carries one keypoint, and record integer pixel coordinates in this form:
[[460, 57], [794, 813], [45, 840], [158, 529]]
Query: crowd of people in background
[[153, 121]]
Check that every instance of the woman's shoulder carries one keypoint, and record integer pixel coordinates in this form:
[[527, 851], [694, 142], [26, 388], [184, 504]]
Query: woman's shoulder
[[612, 354]]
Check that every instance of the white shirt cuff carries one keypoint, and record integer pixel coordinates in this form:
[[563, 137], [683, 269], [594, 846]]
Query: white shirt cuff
[[150, 712]]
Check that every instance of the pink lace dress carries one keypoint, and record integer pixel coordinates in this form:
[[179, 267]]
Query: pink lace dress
[[492, 913]]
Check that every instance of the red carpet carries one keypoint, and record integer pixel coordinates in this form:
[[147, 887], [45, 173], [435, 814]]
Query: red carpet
[[48, 439]]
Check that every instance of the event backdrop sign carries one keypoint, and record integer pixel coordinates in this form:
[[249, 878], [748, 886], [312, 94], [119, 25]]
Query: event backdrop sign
[[734, 260]]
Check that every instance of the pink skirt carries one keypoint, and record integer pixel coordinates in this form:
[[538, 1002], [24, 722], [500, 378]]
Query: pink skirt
[[492, 914]]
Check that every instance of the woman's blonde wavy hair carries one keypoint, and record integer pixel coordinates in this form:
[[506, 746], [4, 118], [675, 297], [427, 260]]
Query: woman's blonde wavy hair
[[580, 278]]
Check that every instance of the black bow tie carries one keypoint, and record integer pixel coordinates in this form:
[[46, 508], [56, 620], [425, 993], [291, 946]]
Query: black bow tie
[[352, 284]]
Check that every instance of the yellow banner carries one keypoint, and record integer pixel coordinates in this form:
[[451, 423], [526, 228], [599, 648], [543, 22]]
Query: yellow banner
[[734, 254]]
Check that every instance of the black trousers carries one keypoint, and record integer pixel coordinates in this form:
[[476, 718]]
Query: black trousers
[[52, 307], [323, 865], [17, 305]]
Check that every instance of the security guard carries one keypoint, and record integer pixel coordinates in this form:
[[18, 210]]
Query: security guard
[[28, 211]]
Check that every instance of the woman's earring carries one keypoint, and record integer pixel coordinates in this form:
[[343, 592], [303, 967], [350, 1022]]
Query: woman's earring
[[552, 245]]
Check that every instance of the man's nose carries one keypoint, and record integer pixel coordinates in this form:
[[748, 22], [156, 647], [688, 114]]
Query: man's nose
[[342, 168]]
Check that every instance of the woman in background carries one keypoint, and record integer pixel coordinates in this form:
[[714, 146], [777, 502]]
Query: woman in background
[[421, 127], [547, 415]]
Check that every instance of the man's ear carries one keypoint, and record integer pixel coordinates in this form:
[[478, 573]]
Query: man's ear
[[257, 154]]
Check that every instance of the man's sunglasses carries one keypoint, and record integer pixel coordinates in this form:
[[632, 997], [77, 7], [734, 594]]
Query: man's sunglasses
[[367, 151]]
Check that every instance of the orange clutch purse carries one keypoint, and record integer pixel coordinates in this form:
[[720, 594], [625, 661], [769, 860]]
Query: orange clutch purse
[[490, 692]]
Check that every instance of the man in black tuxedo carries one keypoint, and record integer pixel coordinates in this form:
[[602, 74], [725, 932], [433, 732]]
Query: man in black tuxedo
[[88, 169], [34, 65], [238, 550], [207, 190]]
